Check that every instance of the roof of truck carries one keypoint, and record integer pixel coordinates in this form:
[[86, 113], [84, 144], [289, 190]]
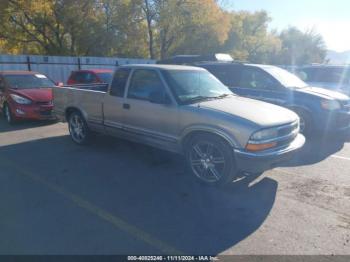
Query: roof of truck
[[164, 67]]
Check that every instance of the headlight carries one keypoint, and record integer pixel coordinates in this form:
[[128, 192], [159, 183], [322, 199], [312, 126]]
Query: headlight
[[20, 99], [330, 104], [264, 134], [260, 140]]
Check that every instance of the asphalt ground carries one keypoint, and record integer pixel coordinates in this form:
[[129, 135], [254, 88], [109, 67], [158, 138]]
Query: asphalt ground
[[117, 197]]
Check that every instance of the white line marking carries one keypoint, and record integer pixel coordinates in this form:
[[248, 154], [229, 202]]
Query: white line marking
[[341, 157]]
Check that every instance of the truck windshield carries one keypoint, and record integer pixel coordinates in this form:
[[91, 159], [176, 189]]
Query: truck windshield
[[190, 86], [284, 77], [28, 81]]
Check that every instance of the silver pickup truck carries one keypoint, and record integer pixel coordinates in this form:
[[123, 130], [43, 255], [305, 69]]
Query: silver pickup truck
[[185, 110]]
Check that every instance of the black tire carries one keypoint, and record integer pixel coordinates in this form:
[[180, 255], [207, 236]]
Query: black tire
[[306, 123], [211, 160], [8, 114], [78, 129]]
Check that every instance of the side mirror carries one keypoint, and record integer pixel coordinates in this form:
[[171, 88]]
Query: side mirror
[[59, 84], [302, 75], [157, 97]]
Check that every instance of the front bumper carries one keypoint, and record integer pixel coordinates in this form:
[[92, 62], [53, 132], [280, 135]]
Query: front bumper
[[254, 162], [337, 122], [32, 112]]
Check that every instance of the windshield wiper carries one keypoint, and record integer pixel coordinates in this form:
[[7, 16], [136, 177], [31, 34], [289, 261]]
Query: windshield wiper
[[221, 96], [203, 98], [197, 98]]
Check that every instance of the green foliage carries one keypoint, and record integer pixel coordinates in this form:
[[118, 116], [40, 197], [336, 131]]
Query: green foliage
[[300, 47], [249, 38], [149, 28]]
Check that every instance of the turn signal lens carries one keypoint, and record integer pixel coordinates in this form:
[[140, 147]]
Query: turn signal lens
[[260, 147]]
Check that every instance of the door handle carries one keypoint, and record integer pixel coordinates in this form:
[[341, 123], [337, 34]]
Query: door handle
[[126, 106]]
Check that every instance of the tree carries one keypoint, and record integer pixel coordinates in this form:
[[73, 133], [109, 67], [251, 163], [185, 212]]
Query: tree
[[249, 38], [149, 9], [73, 27], [190, 26], [301, 47], [124, 30], [150, 28]]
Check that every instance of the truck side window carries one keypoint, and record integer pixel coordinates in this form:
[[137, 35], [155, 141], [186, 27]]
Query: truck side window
[[119, 82], [256, 79], [143, 83]]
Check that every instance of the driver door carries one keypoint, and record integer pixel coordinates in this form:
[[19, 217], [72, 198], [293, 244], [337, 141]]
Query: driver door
[[151, 122]]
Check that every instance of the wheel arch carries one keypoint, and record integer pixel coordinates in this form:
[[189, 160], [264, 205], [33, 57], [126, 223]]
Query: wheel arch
[[189, 134], [300, 108], [71, 109]]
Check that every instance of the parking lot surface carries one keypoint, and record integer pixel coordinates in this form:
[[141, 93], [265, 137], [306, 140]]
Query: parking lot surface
[[117, 197]]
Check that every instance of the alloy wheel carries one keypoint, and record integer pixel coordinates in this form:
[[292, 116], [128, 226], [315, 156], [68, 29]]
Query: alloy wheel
[[77, 128], [7, 114], [207, 161]]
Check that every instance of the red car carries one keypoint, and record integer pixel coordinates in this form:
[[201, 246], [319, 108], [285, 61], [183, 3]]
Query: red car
[[90, 76], [25, 95]]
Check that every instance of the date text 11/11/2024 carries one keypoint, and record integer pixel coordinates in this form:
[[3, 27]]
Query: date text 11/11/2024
[[172, 258]]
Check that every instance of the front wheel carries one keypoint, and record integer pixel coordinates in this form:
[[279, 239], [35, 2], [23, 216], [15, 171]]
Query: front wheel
[[78, 129], [211, 159], [306, 124], [7, 114]]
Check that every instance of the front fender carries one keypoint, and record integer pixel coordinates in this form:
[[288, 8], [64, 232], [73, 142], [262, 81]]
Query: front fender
[[187, 132]]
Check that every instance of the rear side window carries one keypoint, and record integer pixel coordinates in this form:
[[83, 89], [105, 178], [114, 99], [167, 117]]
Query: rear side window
[[84, 78], [228, 75], [119, 82]]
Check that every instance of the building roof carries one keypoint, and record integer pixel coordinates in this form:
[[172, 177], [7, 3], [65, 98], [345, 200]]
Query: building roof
[[18, 72], [164, 67]]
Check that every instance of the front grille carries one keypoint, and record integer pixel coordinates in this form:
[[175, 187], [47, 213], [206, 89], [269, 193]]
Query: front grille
[[45, 103], [287, 133], [342, 121], [46, 113]]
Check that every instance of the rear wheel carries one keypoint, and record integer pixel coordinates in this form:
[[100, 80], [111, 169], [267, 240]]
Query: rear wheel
[[211, 159], [7, 114], [78, 129]]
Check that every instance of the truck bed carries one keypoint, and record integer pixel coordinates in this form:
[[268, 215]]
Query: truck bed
[[84, 98]]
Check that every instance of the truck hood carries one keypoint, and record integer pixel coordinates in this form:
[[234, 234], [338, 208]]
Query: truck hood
[[35, 94], [323, 93], [258, 112]]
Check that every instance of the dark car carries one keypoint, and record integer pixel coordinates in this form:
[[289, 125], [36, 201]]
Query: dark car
[[91, 76], [327, 76], [319, 109]]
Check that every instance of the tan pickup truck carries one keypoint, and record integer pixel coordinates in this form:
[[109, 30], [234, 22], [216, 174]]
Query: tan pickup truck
[[185, 110]]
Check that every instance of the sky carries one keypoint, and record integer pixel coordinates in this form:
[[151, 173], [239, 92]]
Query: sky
[[330, 18]]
